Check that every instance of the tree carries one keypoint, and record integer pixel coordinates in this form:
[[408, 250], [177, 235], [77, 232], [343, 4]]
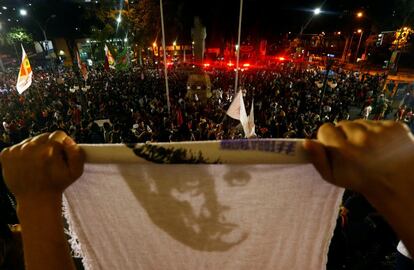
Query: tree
[[144, 23], [139, 21], [15, 36], [18, 35]]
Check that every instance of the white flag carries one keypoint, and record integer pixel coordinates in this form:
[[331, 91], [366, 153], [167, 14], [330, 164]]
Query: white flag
[[250, 123], [235, 107], [243, 117], [25, 74], [238, 111]]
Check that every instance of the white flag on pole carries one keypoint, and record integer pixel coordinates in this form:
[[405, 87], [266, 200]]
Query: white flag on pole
[[237, 110], [236, 107], [250, 123], [243, 117], [24, 79]]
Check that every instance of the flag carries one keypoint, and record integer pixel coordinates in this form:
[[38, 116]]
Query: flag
[[82, 66], [237, 107], [238, 112], [250, 123], [109, 59], [122, 61], [180, 216], [24, 79]]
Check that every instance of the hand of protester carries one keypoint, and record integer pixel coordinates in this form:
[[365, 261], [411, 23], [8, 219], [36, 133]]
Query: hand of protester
[[42, 166], [375, 159], [365, 156]]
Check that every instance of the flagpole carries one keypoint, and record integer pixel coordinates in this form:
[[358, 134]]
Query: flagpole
[[238, 49], [167, 92]]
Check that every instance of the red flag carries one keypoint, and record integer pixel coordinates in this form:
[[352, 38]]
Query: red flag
[[82, 66]]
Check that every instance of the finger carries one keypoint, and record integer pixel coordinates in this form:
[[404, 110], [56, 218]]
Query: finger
[[355, 133], [15, 148], [58, 136], [374, 126], [30, 143], [28, 146], [319, 158], [26, 140], [40, 139], [386, 123], [329, 135], [75, 158], [4, 153]]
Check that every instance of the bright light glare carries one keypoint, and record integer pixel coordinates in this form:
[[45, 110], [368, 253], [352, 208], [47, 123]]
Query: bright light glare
[[119, 19], [360, 14], [23, 12], [317, 11]]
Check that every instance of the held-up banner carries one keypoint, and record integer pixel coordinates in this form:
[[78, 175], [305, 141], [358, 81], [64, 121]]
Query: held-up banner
[[241, 204]]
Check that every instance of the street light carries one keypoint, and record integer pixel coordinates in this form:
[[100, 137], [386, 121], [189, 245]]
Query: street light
[[119, 19], [359, 43], [316, 12], [360, 14], [23, 12]]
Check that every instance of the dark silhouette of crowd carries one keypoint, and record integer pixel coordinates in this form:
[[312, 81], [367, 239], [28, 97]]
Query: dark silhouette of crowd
[[130, 107], [286, 103]]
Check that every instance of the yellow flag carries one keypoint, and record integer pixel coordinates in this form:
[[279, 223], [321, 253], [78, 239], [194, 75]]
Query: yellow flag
[[109, 56], [24, 79]]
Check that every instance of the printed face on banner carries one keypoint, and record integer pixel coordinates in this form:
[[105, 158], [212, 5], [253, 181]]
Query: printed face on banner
[[196, 204]]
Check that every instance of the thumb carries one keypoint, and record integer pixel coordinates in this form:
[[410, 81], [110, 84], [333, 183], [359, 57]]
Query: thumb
[[319, 158], [75, 157]]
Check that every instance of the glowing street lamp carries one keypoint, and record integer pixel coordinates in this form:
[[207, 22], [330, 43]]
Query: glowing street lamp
[[359, 31], [119, 19], [360, 14], [23, 12], [316, 12]]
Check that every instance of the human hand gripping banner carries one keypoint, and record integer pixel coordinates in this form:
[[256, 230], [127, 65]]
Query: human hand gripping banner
[[240, 204]]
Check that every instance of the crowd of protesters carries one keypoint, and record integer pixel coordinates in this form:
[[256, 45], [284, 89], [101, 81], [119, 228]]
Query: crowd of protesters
[[130, 106], [287, 104]]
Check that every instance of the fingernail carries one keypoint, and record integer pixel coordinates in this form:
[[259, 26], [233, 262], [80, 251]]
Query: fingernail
[[69, 141]]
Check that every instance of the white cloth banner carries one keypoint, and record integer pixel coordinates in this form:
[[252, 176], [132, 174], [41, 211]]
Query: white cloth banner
[[201, 216]]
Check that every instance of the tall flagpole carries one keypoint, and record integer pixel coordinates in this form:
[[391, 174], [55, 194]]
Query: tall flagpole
[[167, 91], [238, 49]]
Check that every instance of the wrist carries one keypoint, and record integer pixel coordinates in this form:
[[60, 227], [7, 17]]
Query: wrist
[[31, 205]]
